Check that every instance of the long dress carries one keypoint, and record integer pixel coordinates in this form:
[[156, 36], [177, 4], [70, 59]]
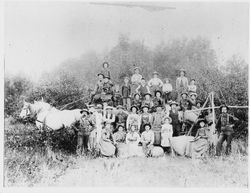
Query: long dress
[[132, 140], [133, 119], [106, 146], [166, 134], [199, 145]]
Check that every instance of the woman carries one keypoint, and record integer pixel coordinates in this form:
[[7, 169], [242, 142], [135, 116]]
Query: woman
[[199, 146], [147, 139], [107, 147], [146, 117], [166, 134], [134, 119]]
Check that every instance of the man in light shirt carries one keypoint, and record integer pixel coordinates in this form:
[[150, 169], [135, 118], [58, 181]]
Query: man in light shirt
[[167, 89], [135, 79], [181, 82], [155, 83]]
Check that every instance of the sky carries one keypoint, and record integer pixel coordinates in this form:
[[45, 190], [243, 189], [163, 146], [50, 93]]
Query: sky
[[41, 35]]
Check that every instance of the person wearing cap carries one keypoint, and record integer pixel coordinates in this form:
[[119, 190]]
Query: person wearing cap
[[146, 117], [105, 70], [135, 79], [85, 128], [166, 134], [147, 139], [106, 144], [155, 83], [148, 101], [126, 93], [199, 146], [192, 101], [224, 127], [137, 101], [157, 100], [181, 82], [174, 115], [167, 90], [192, 87], [157, 122], [143, 88], [117, 97], [121, 117], [134, 119]]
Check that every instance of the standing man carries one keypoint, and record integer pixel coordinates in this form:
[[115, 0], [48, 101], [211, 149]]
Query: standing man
[[155, 83], [135, 80], [143, 88], [158, 119], [182, 82], [174, 115], [225, 127]]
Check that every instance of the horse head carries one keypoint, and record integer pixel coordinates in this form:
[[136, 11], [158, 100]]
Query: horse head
[[25, 112]]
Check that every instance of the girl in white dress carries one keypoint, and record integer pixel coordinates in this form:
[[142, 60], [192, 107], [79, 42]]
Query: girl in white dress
[[166, 134]]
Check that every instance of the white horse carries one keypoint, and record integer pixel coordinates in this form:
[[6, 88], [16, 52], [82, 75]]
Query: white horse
[[49, 116]]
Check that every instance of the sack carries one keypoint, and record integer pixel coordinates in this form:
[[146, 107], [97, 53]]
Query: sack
[[190, 116]]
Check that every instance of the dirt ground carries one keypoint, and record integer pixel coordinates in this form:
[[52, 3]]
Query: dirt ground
[[164, 171]]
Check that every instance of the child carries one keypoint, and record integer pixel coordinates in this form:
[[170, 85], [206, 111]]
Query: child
[[132, 140], [166, 134], [192, 87], [147, 139], [126, 93], [167, 89], [117, 97]]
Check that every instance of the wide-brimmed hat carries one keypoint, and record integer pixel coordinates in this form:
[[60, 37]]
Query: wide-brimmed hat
[[120, 125], [109, 107], [126, 77], [105, 63], [193, 93], [158, 91], [134, 106], [108, 77], [147, 124], [201, 120], [184, 92], [84, 110], [120, 107], [100, 73], [182, 70], [155, 72], [173, 103], [137, 94], [137, 68], [148, 94], [145, 106], [224, 105], [169, 118], [99, 106]]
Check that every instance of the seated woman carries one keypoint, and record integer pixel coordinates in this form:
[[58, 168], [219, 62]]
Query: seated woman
[[107, 147], [120, 135], [147, 139], [132, 140], [199, 146]]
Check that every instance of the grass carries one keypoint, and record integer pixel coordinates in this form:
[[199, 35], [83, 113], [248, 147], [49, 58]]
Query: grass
[[32, 165]]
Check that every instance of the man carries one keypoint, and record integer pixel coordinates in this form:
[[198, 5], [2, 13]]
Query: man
[[225, 127], [86, 127], [181, 82], [143, 88], [96, 94], [107, 90], [155, 83], [184, 102], [174, 115], [192, 101], [157, 100], [135, 80]]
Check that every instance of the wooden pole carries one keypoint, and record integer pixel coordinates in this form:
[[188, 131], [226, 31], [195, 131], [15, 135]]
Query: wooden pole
[[213, 110], [190, 130], [217, 107]]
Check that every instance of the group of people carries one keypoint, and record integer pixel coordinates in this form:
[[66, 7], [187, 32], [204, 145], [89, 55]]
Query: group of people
[[148, 119]]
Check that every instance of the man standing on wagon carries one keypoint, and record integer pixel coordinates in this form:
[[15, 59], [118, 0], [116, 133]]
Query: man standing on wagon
[[181, 83], [225, 127]]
